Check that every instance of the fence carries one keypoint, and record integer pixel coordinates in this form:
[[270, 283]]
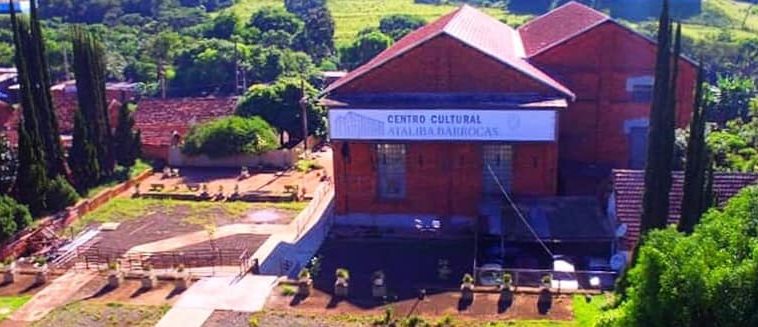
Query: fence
[[565, 281], [320, 196]]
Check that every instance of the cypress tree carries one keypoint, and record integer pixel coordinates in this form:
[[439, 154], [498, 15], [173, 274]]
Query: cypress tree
[[696, 161], [82, 158], [125, 140], [89, 69], [32, 182], [31, 62], [660, 152]]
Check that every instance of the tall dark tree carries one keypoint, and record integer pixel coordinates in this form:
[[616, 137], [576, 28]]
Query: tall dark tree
[[126, 140], [696, 163], [661, 138], [32, 182], [89, 69], [82, 157], [317, 36], [34, 79], [8, 165]]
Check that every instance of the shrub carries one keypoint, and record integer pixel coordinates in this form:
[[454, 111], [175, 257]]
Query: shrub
[[288, 290], [60, 195], [304, 274], [13, 217], [230, 136]]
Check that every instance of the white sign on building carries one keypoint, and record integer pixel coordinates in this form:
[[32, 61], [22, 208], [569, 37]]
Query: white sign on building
[[442, 125]]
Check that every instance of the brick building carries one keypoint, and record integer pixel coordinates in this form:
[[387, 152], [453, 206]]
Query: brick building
[[439, 122]]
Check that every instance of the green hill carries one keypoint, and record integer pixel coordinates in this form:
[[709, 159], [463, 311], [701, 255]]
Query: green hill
[[352, 15]]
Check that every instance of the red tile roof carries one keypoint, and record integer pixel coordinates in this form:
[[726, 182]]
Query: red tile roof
[[158, 118], [472, 27], [558, 25], [628, 186]]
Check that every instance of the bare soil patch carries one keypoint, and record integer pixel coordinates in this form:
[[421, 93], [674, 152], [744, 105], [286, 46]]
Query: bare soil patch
[[130, 292]]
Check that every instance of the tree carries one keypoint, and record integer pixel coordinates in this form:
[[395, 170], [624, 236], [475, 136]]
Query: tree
[[161, 48], [223, 25], [126, 140], [317, 38], [398, 25], [34, 80], [301, 7], [279, 105], [697, 159], [13, 217], [89, 69], [276, 19], [8, 165], [365, 47], [82, 158], [31, 181], [230, 136], [732, 95], [655, 203]]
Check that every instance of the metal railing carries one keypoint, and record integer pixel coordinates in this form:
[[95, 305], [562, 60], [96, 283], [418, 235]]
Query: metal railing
[[561, 280]]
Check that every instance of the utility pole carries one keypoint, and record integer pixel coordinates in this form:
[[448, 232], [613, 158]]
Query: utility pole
[[304, 114], [66, 74]]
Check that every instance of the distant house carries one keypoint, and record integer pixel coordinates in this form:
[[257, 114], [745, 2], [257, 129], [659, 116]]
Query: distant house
[[625, 200]]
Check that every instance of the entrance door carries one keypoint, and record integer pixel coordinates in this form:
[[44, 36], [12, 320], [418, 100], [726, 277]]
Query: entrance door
[[497, 157], [637, 147]]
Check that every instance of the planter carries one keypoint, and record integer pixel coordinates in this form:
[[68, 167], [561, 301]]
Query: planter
[[181, 282], [115, 278], [545, 299], [341, 287], [467, 292], [379, 291], [41, 275], [304, 287], [149, 280], [506, 294]]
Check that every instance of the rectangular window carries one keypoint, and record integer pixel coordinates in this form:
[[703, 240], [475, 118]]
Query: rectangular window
[[497, 159], [642, 93], [391, 170]]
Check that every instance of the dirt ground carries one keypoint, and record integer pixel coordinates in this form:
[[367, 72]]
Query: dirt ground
[[23, 285], [130, 292], [484, 306]]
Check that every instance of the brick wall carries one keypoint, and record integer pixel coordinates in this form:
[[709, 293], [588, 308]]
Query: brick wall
[[596, 66], [441, 178]]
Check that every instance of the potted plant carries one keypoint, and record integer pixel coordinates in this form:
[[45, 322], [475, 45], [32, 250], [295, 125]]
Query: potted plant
[[506, 288], [545, 299], [181, 279], [304, 283], [8, 267], [115, 276], [342, 282], [378, 288], [467, 288], [41, 273], [148, 277]]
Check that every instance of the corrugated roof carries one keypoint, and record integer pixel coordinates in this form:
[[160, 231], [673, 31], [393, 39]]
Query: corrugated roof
[[628, 186], [558, 25], [475, 29]]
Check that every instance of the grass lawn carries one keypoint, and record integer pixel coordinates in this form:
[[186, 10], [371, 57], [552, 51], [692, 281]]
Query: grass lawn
[[9, 304], [200, 212], [585, 314], [87, 314], [350, 16]]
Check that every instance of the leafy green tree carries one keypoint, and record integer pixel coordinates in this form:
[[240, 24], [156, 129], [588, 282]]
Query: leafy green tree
[[275, 19], [230, 136], [8, 165], [301, 7], [161, 49], [13, 217], [317, 38], [82, 158], [706, 278], [731, 99], [398, 25], [364, 48], [224, 25], [279, 105], [126, 140], [60, 195], [89, 69]]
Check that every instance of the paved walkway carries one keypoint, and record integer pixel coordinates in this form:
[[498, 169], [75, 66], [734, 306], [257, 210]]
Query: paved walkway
[[248, 294], [58, 293]]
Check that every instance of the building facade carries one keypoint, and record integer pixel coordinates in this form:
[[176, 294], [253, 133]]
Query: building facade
[[467, 109]]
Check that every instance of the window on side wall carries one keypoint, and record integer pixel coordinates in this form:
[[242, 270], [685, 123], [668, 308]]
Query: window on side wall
[[640, 88], [391, 170]]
